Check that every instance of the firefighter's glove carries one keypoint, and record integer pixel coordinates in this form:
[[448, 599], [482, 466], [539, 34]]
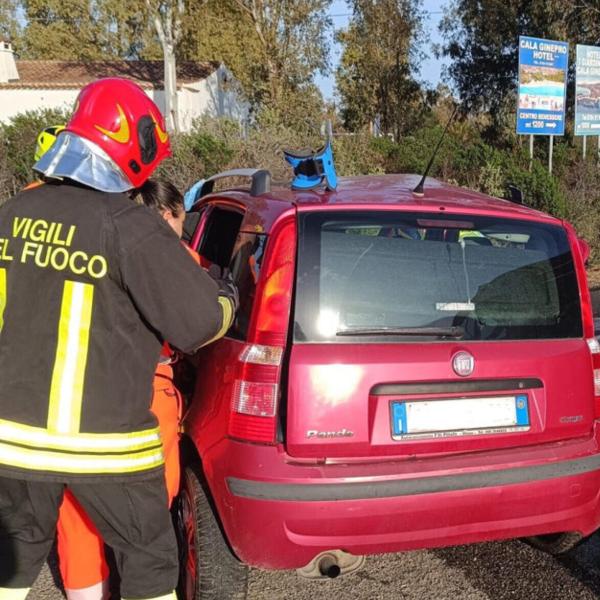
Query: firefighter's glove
[[227, 287]]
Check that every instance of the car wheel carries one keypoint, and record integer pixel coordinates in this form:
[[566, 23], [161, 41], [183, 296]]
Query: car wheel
[[555, 543], [208, 569]]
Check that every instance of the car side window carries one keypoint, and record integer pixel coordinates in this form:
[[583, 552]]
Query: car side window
[[220, 235], [223, 244], [245, 268]]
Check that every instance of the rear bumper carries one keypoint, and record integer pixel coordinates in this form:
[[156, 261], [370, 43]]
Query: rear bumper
[[280, 514], [318, 492]]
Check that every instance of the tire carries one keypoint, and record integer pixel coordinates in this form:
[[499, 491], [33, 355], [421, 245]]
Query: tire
[[555, 543], [208, 568]]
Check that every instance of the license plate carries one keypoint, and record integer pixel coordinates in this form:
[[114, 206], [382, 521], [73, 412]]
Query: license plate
[[439, 418]]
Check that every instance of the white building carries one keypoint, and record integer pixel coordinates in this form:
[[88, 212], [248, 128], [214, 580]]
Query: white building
[[203, 88]]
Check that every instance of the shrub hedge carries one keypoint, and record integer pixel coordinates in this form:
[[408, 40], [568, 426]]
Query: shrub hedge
[[464, 159]]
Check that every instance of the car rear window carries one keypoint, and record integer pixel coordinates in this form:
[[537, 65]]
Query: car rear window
[[401, 276]]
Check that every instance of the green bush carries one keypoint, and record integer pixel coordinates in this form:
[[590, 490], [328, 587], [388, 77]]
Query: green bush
[[355, 154], [184, 167], [468, 161], [6, 175], [464, 158], [581, 188], [540, 189], [213, 152]]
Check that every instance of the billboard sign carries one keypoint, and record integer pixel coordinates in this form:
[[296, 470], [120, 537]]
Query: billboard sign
[[542, 86], [587, 91]]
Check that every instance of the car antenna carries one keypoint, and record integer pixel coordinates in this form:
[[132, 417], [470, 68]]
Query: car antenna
[[418, 191]]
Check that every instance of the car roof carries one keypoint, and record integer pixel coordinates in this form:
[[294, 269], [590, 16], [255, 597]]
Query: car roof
[[377, 192]]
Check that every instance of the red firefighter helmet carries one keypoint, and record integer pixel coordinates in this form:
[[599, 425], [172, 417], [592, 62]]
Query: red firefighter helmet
[[120, 118]]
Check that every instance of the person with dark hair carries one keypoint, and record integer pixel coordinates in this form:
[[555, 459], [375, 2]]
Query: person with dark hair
[[166, 199]]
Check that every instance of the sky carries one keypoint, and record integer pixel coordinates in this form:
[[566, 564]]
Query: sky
[[431, 68]]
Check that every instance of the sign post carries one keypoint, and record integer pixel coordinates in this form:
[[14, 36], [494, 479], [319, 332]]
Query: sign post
[[587, 92], [543, 68], [531, 152]]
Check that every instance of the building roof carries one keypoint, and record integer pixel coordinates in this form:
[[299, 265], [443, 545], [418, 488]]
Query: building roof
[[64, 74]]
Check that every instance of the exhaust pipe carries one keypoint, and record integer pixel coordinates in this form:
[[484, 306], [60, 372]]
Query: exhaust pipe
[[331, 564], [328, 566]]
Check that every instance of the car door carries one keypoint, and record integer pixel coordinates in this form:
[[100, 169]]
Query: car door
[[223, 242]]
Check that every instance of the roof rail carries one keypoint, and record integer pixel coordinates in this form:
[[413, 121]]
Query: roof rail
[[261, 181]]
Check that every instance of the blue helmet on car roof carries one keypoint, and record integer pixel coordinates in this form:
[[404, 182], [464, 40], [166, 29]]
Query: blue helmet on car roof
[[312, 168]]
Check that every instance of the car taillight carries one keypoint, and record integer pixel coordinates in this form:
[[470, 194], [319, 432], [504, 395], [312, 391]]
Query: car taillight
[[255, 400], [594, 347], [586, 314]]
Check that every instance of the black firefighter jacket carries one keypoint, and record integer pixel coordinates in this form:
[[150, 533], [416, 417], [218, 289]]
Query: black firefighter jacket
[[90, 285]]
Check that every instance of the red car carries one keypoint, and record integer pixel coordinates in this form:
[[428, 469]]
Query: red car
[[405, 371]]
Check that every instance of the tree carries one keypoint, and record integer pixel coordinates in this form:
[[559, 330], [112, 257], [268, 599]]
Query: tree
[[376, 76], [482, 42], [85, 30], [167, 16], [106, 29], [124, 30], [220, 31], [50, 30], [291, 37], [9, 23], [273, 47]]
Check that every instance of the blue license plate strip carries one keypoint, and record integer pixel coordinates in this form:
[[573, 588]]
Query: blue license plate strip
[[399, 416]]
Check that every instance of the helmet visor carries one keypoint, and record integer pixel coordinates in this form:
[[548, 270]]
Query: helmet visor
[[83, 161]]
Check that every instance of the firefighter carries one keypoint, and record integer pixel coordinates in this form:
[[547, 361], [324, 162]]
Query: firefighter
[[45, 140], [90, 287], [43, 143], [81, 555]]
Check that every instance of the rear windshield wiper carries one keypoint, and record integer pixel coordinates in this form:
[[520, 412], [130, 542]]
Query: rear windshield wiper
[[455, 331]]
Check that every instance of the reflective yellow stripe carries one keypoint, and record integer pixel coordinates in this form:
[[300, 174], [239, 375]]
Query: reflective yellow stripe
[[60, 359], [2, 297], [13, 593], [81, 357], [228, 317], [42, 460], [83, 442], [66, 390]]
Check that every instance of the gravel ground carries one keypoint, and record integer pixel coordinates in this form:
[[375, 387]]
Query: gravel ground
[[494, 571]]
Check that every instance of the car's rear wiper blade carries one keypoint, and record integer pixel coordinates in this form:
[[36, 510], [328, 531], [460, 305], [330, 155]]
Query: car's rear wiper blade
[[454, 331]]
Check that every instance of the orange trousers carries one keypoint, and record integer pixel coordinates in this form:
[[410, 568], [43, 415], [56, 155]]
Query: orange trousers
[[80, 547]]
